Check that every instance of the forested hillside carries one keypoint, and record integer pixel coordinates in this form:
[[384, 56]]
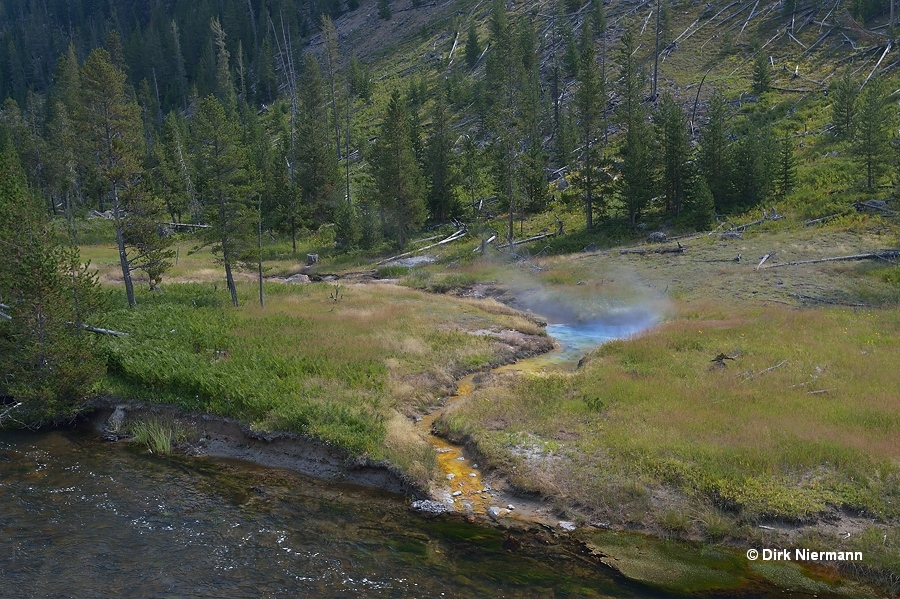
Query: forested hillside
[[382, 118]]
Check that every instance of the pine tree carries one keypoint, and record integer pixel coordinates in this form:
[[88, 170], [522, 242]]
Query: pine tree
[[503, 77], [674, 155], [714, 153], [224, 81], [171, 175], [112, 128], [314, 160], [844, 96], [223, 186], [399, 185], [440, 168], [590, 98], [636, 151], [755, 165], [762, 76], [473, 48], [872, 131], [532, 176], [48, 365], [329, 35], [787, 167]]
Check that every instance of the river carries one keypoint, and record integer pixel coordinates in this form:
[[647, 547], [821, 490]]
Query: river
[[81, 518]]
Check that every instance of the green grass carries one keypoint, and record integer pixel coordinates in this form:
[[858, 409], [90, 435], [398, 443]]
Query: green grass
[[345, 372], [159, 434], [818, 431]]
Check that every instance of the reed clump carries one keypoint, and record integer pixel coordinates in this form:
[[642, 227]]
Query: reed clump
[[159, 433]]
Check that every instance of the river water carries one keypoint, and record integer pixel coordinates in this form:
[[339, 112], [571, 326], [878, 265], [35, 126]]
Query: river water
[[84, 519], [81, 518]]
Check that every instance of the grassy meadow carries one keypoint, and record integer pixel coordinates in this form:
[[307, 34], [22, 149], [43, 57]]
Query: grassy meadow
[[351, 371]]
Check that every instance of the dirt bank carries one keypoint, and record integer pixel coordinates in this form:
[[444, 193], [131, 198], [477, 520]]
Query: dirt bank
[[215, 436]]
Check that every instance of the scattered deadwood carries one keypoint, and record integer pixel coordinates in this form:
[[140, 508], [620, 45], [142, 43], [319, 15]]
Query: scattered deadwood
[[528, 240], [100, 331], [819, 391], [459, 234], [735, 259], [762, 260], [766, 217], [888, 255], [669, 250], [482, 247], [86, 327], [874, 206], [764, 370], [816, 221], [826, 301]]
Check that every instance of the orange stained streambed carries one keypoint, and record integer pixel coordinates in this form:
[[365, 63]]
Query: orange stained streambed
[[463, 486]]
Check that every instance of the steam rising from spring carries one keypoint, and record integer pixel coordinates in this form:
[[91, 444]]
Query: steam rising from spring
[[600, 308]]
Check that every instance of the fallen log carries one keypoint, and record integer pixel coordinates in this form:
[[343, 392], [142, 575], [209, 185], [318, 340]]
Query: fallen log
[[82, 325], [457, 235], [100, 331], [827, 301], [820, 220], [669, 250], [883, 255], [528, 240]]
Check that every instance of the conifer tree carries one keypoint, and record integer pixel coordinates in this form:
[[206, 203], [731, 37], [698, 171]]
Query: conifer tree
[[112, 129], [314, 160], [399, 184], [714, 152], [844, 95], [636, 151], [48, 365], [589, 100], [224, 81], [872, 131], [473, 48], [786, 177], [503, 75], [329, 35], [440, 168], [762, 77], [223, 186], [674, 154], [754, 165]]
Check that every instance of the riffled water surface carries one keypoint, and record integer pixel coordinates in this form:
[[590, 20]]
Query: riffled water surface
[[85, 519], [80, 518]]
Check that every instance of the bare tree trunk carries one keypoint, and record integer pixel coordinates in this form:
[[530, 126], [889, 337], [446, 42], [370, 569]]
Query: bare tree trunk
[[262, 301], [120, 241], [229, 280]]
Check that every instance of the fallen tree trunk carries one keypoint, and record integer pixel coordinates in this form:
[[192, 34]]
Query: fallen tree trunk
[[528, 240], [883, 255], [814, 221], [827, 301], [86, 327], [457, 235], [669, 250], [100, 331]]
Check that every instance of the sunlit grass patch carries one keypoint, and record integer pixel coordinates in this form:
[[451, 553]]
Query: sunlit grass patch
[[798, 422], [340, 371]]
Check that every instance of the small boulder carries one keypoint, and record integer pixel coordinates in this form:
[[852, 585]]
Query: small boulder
[[567, 526]]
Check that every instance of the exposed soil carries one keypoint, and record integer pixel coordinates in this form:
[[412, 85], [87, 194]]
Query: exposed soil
[[215, 436]]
